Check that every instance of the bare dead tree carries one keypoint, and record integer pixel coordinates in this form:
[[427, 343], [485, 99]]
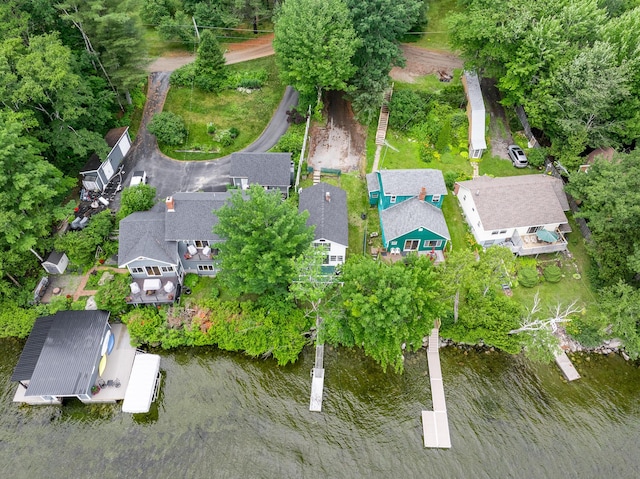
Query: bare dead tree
[[558, 314]]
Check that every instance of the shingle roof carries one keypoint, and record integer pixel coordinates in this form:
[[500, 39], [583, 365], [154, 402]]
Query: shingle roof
[[410, 182], [517, 201], [372, 182], [70, 354], [54, 257], [329, 217], [194, 217], [142, 236], [111, 138], [266, 169], [410, 215]]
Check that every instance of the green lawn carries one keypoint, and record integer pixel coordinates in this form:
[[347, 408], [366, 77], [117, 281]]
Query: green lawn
[[438, 36], [495, 166], [249, 113]]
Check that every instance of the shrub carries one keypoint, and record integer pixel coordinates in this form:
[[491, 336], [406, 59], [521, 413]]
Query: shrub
[[183, 76], [112, 296], [291, 141], [191, 280], [225, 138], [211, 128], [407, 108], [253, 79], [168, 128], [16, 322], [552, 274], [537, 156], [528, 277], [234, 132]]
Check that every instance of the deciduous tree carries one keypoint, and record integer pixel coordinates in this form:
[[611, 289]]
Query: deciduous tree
[[314, 43], [262, 234]]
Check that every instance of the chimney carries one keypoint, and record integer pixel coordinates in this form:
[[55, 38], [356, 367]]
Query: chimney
[[423, 194], [170, 204], [327, 197]]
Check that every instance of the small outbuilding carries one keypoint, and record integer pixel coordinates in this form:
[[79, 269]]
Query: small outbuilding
[[475, 113], [56, 263]]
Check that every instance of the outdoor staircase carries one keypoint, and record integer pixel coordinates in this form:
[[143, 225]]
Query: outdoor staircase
[[383, 120], [316, 176]]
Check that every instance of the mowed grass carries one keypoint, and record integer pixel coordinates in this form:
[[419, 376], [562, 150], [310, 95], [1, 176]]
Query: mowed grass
[[437, 36], [248, 112]]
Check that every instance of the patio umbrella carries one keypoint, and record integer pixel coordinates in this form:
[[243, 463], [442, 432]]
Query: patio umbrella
[[547, 236]]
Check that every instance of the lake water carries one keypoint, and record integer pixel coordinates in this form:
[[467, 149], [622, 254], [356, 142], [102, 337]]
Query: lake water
[[223, 415]]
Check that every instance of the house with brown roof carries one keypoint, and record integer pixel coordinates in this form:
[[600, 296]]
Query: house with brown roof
[[524, 213]]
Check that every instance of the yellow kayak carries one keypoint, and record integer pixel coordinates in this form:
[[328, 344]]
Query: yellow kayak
[[103, 364]]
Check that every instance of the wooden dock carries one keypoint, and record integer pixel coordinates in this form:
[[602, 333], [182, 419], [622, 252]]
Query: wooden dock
[[435, 424], [317, 380], [566, 366]]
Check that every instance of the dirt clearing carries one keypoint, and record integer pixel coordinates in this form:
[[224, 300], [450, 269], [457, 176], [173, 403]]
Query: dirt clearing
[[421, 62]]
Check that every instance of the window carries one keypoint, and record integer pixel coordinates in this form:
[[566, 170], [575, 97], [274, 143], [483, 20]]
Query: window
[[533, 229], [393, 199], [502, 232], [167, 269], [432, 243], [137, 270], [374, 195], [435, 198], [153, 271], [340, 259], [201, 244], [488, 243], [411, 245], [333, 258], [464, 198], [495, 232], [205, 267]]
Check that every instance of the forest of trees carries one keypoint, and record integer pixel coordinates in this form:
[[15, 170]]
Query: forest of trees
[[574, 66], [67, 73]]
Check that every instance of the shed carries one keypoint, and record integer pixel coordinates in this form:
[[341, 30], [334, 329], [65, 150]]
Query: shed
[[56, 263], [475, 114]]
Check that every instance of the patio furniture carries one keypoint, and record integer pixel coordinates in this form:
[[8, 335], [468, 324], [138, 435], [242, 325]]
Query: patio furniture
[[135, 288], [192, 250], [151, 284]]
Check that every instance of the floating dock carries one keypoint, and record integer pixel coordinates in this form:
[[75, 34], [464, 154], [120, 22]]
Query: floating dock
[[566, 366], [435, 424], [317, 381]]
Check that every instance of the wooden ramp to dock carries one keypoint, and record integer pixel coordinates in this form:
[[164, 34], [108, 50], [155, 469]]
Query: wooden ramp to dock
[[435, 424], [317, 380], [566, 366]]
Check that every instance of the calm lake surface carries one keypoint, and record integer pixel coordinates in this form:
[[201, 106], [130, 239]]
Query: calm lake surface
[[223, 415]]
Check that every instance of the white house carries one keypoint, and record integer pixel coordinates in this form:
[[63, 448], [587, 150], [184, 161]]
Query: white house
[[475, 114], [327, 207], [525, 213]]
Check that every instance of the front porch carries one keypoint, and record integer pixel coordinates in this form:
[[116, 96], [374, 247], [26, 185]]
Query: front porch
[[437, 256]]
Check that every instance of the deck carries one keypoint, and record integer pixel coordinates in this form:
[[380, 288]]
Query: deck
[[435, 424], [317, 380], [566, 366], [159, 296]]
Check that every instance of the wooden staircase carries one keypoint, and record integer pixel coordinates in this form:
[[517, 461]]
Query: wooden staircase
[[383, 120]]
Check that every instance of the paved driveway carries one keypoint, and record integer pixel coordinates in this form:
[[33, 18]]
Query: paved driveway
[[169, 176]]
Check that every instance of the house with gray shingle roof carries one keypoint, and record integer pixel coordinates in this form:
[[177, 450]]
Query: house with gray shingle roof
[[97, 173], [525, 213], [159, 248], [409, 203], [273, 171], [327, 207]]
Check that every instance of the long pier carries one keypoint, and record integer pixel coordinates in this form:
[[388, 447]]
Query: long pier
[[317, 381], [435, 424]]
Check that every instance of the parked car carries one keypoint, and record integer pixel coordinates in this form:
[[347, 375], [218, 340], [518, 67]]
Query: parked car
[[138, 178], [518, 158]]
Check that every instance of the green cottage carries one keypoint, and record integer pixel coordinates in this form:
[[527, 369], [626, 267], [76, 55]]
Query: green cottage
[[409, 203]]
